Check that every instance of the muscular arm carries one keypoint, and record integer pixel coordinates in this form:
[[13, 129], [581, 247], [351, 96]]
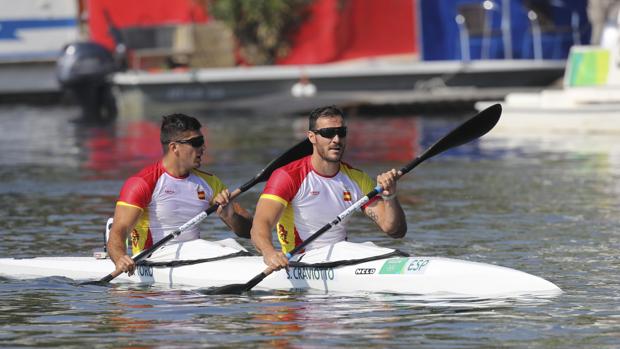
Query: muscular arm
[[387, 213], [389, 216], [268, 212], [125, 219], [233, 215]]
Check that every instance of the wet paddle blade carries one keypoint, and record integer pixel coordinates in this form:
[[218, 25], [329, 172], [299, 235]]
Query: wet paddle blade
[[227, 289], [298, 151], [101, 282], [473, 128], [94, 283], [240, 288]]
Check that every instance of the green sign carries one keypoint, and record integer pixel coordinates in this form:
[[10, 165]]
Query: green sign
[[587, 67], [393, 266]]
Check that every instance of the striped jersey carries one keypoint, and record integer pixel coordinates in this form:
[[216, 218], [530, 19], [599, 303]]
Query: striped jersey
[[167, 202], [311, 200]]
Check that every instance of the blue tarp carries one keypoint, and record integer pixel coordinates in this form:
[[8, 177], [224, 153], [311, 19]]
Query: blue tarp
[[440, 35]]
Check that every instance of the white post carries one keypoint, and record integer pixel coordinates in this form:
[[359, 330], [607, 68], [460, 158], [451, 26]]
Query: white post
[[463, 37], [506, 31], [536, 35], [574, 20]]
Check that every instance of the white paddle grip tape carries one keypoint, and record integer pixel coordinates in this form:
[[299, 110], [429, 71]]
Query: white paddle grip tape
[[354, 207], [202, 215]]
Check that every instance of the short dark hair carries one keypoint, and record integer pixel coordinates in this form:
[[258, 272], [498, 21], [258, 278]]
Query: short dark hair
[[327, 111], [174, 124]]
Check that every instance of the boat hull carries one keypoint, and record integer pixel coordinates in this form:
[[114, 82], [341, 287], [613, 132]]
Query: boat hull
[[431, 276]]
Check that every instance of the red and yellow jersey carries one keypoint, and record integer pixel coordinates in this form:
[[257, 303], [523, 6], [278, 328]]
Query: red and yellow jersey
[[312, 200], [167, 202]]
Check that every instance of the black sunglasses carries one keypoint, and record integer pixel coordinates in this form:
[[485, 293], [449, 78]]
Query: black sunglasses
[[195, 142], [331, 132]]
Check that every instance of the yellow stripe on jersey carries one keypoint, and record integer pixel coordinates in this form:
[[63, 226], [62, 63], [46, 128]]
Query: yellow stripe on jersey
[[212, 180], [123, 203], [361, 178], [275, 198]]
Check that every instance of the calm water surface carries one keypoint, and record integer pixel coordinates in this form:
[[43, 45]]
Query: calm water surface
[[545, 204]]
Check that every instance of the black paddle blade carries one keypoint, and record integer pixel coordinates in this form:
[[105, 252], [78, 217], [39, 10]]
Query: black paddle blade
[[102, 282], [227, 289], [94, 283], [471, 129], [301, 149], [239, 288], [474, 128]]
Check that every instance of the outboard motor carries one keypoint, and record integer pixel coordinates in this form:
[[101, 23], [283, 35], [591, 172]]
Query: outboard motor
[[84, 71]]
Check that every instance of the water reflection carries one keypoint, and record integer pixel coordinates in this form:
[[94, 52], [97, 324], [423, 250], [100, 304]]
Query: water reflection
[[151, 317], [52, 138], [285, 319], [128, 145], [42, 137]]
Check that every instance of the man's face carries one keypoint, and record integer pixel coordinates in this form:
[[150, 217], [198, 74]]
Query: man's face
[[190, 146], [329, 144]]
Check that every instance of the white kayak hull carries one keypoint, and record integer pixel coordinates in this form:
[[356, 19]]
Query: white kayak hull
[[429, 276]]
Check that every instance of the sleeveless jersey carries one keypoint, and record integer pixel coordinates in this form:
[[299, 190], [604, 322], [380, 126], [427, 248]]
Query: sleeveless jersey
[[312, 200], [167, 202]]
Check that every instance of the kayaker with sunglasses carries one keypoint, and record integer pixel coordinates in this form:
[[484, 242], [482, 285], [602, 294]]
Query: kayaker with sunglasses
[[163, 196], [303, 196]]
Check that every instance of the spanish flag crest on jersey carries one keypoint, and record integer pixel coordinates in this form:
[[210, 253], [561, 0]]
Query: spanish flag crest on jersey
[[346, 195], [201, 193]]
